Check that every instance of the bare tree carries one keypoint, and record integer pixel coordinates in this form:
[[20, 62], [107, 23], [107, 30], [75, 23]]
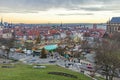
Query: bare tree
[[116, 37], [43, 53], [8, 43], [61, 50], [28, 45], [38, 39], [108, 57]]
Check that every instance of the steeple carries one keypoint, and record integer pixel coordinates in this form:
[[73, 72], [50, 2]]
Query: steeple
[[61, 24], [1, 20], [1, 24]]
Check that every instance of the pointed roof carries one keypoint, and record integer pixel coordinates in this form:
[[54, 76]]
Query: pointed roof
[[1, 23], [115, 20]]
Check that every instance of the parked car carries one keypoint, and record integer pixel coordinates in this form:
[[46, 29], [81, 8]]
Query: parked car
[[29, 52]]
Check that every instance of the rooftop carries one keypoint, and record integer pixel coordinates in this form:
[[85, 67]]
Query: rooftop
[[115, 20]]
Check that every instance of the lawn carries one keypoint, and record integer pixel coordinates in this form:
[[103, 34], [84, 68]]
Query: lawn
[[27, 72]]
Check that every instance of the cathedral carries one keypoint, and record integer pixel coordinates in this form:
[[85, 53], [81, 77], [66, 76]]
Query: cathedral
[[4, 31], [113, 25]]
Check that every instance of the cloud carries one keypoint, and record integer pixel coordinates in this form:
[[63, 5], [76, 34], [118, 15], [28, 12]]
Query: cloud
[[75, 14], [106, 5], [37, 5], [103, 8], [34, 6]]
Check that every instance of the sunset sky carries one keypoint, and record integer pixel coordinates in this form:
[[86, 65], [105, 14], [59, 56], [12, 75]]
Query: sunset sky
[[57, 11]]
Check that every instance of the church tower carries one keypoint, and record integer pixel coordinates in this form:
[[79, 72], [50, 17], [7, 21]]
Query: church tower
[[1, 24], [1, 21], [61, 25]]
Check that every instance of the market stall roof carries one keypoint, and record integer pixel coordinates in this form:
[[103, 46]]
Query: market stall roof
[[51, 47]]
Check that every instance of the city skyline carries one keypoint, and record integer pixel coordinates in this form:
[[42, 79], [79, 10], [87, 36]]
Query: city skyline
[[57, 11]]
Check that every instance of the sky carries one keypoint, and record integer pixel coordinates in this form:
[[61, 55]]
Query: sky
[[57, 11]]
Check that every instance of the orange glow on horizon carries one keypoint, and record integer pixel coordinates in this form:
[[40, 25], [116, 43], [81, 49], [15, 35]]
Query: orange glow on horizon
[[37, 21], [52, 16]]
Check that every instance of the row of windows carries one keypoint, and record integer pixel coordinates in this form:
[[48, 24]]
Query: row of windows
[[114, 24], [112, 28]]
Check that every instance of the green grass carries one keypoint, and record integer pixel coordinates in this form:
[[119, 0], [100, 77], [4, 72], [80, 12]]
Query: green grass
[[26, 72]]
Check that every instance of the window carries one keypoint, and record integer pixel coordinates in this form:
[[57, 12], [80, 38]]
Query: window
[[119, 28]]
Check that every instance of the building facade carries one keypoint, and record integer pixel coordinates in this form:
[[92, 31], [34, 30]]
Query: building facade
[[113, 25], [1, 28], [5, 31]]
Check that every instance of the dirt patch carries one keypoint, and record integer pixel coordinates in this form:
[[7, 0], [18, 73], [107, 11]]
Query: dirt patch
[[7, 66], [63, 74]]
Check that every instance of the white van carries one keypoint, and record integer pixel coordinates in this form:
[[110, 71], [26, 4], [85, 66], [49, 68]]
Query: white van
[[86, 65], [29, 52]]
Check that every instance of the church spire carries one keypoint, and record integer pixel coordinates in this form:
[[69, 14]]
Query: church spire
[[61, 24], [1, 20]]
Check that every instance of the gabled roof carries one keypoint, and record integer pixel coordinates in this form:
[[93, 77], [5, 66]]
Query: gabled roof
[[115, 20]]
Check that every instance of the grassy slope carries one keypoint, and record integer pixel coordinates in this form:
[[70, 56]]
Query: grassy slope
[[26, 72]]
